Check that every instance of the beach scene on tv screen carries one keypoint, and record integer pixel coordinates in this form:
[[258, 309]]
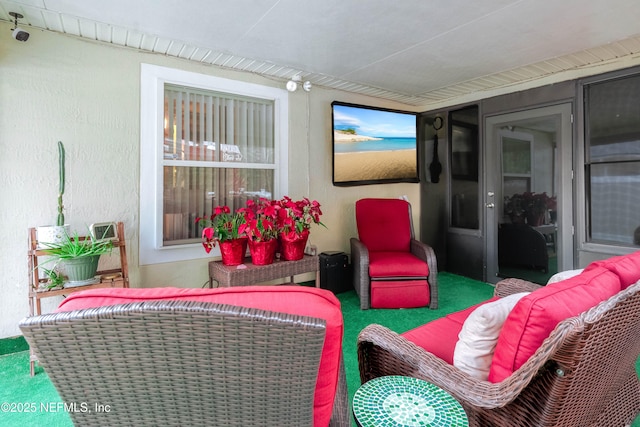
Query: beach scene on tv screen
[[372, 145]]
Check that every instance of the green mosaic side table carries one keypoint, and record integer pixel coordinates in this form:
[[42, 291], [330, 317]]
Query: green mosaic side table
[[397, 401]]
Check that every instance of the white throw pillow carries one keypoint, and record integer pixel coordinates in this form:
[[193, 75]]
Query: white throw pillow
[[563, 275], [479, 335]]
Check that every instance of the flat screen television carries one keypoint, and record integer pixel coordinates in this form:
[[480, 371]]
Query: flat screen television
[[373, 145]]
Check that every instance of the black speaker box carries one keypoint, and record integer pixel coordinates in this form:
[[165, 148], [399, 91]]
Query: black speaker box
[[335, 272]]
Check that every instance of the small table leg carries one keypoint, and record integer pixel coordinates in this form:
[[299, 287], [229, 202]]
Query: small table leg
[[32, 363]]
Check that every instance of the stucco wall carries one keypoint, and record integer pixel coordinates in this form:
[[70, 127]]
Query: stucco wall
[[87, 94]]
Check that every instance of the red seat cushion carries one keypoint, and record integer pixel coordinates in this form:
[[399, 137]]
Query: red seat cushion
[[396, 264], [384, 224], [439, 337], [534, 317], [399, 293], [313, 302], [461, 316]]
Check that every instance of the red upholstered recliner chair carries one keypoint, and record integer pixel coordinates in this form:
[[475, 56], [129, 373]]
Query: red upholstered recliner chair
[[391, 268]]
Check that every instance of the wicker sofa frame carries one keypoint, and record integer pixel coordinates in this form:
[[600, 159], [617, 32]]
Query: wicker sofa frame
[[178, 363], [582, 375]]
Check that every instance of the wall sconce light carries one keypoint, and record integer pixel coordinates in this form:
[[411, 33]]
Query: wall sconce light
[[292, 85]]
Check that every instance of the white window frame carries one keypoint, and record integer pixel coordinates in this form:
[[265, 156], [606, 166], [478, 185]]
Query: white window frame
[[152, 82]]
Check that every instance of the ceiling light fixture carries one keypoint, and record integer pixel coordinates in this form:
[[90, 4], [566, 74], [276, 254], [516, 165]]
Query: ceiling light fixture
[[292, 85]]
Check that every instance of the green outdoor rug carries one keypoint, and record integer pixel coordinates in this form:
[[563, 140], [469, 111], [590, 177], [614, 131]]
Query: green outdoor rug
[[33, 401]]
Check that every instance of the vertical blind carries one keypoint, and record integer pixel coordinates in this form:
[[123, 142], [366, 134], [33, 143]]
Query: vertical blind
[[219, 150]]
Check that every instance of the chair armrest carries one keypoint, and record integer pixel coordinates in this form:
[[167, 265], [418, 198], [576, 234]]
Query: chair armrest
[[513, 286], [360, 264], [383, 352], [341, 415], [428, 255]]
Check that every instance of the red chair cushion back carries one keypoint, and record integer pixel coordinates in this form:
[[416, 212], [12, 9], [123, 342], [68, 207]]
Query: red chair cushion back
[[384, 224]]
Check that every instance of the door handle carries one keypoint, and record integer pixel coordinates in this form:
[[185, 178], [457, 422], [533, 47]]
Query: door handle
[[490, 205]]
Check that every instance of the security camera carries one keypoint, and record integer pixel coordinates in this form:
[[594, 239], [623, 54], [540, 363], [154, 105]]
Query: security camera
[[20, 34], [17, 32]]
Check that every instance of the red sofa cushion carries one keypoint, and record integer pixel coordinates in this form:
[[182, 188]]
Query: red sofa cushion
[[439, 337], [399, 293], [461, 316], [384, 224], [396, 264], [313, 302], [537, 314], [627, 267]]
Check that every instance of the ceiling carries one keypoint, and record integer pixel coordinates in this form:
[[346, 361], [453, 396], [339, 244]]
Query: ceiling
[[412, 51]]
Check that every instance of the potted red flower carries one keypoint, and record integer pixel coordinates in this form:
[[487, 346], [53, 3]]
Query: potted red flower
[[294, 220], [530, 206], [224, 227], [536, 207], [261, 228]]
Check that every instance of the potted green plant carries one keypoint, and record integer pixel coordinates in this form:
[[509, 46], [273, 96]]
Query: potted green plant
[[56, 279], [78, 256], [55, 233]]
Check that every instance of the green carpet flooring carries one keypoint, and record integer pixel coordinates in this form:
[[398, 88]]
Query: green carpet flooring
[[40, 405], [455, 293]]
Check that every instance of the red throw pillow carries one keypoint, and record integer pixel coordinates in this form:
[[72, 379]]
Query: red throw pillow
[[627, 267], [537, 314]]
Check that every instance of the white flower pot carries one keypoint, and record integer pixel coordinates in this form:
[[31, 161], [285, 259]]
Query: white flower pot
[[52, 234]]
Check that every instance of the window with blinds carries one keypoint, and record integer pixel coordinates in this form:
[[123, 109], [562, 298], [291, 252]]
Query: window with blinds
[[205, 141], [218, 150], [612, 161]]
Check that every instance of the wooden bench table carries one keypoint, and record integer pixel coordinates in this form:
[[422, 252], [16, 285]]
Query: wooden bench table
[[228, 276]]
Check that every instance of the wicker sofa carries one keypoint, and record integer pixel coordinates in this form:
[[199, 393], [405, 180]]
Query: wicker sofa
[[565, 355], [249, 356]]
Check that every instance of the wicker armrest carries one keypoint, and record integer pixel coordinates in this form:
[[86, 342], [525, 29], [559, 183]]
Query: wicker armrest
[[384, 352], [360, 262], [428, 255], [513, 286], [341, 415]]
